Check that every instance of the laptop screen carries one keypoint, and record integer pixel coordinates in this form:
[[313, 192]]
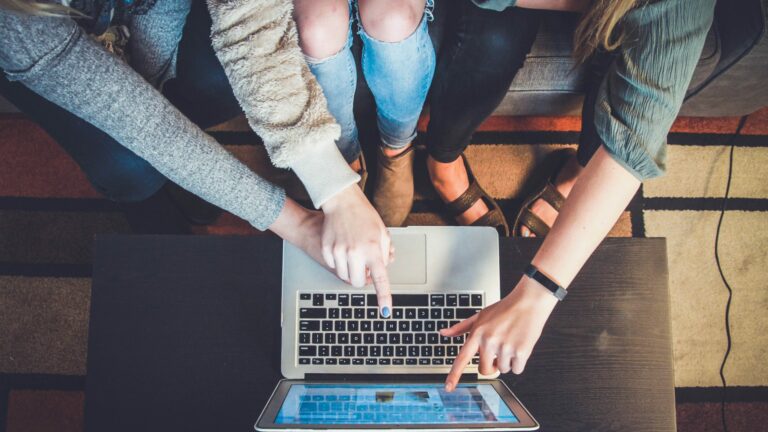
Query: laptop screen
[[353, 404]]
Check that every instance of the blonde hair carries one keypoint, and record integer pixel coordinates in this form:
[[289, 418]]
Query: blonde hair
[[34, 7], [597, 29]]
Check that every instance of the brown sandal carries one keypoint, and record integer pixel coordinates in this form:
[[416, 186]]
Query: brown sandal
[[549, 193], [494, 218]]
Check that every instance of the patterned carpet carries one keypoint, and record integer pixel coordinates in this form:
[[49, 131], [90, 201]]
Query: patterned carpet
[[49, 215]]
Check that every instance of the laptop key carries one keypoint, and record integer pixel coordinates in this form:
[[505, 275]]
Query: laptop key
[[400, 351], [384, 361], [410, 313], [394, 338], [346, 313], [331, 361], [404, 326], [357, 361], [343, 338], [344, 361], [358, 300], [365, 326], [362, 351], [378, 326], [437, 300], [477, 300], [372, 313], [417, 326], [334, 313], [403, 300], [398, 361], [323, 351], [421, 338], [356, 338], [438, 361], [309, 326], [430, 326], [353, 326], [408, 338], [413, 351], [448, 313], [305, 296], [317, 338], [439, 351], [359, 313], [304, 361], [307, 351], [375, 351], [381, 338], [388, 351], [317, 361], [397, 313], [340, 326], [312, 313], [304, 338], [426, 351], [368, 338], [463, 300], [463, 313], [370, 361], [424, 361], [433, 338], [411, 361], [451, 300], [449, 361], [453, 351], [435, 314], [343, 300], [330, 338], [391, 326], [423, 313], [349, 351], [475, 361], [327, 325], [442, 325], [317, 300], [336, 351]]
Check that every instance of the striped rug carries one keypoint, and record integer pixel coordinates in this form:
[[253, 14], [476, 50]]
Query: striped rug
[[49, 215]]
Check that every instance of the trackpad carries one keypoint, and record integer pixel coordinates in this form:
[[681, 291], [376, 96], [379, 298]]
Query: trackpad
[[410, 265]]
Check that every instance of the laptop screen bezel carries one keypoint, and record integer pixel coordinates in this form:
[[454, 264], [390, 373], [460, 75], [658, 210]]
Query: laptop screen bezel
[[267, 418]]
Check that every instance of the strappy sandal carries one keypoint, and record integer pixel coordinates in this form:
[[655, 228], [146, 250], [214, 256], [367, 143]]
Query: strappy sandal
[[493, 218], [549, 193]]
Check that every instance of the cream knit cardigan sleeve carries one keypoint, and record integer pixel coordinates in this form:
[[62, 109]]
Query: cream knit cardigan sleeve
[[257, 43]]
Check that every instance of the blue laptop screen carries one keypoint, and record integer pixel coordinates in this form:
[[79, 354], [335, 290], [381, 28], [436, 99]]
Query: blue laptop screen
[[328, 404]]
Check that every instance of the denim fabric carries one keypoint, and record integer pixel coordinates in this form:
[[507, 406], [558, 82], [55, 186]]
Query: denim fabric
[[200, 90], [399, 75]]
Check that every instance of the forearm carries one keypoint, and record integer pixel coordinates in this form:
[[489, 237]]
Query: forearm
[[82, 78], [556, 5], [598, 198], [257, 44]]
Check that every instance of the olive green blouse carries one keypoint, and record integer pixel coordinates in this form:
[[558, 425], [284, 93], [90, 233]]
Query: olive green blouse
[[644, 88]]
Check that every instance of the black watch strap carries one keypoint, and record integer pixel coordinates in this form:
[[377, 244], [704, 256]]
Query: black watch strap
[[532, 272]]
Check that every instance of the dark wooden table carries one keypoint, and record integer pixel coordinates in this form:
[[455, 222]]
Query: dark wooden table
[[185, 336]]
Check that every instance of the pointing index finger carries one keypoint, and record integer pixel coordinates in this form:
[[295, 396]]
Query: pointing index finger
[[462, 360], [380, 280]]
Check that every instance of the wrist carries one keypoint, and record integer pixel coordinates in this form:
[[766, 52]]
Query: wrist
[[342, 199], [291, 222], [536, 294]]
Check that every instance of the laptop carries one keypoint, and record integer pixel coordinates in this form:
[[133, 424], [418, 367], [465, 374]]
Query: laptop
[[347, 368]]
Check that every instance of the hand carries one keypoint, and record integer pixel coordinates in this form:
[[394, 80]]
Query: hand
[[302, 228], [356, 243], [504, 333]]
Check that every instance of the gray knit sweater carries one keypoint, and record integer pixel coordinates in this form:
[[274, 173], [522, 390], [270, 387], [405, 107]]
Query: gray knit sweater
[[256, 42]]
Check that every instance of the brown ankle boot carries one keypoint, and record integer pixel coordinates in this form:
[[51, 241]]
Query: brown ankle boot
[[393, 191]]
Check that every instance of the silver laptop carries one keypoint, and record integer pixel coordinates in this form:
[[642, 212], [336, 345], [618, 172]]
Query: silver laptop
[[332, 333]]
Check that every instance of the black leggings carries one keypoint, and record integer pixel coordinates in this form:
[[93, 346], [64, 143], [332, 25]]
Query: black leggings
[[482, 50]]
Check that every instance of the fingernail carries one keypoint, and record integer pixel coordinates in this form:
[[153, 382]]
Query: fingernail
[[525, 234], [385, 312]]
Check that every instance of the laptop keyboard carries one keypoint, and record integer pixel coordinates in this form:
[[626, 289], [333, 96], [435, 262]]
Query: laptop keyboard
[[346, 329]]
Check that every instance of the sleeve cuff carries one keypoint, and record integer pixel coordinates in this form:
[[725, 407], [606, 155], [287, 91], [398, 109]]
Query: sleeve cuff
[[324, 172]]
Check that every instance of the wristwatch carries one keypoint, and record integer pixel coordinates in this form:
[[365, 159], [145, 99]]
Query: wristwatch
[[532, 272]]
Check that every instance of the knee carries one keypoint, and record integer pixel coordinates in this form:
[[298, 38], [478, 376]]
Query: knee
[[127, 179], [391, 20], [323, 26]]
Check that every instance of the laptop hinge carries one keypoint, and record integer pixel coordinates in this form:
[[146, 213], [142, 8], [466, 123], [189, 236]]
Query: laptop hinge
[[385, 377]]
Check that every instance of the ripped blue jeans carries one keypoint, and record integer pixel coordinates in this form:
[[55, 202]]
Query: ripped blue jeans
[[398, 73]]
